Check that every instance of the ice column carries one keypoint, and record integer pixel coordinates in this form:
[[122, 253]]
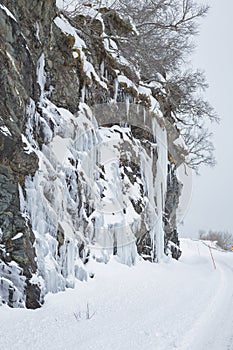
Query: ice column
[[160, 185]]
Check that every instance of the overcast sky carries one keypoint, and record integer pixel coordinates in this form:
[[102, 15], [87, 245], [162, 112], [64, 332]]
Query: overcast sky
[[211, 205]]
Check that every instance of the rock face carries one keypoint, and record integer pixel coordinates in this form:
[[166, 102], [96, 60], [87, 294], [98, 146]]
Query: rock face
[[174, 188], [18, 82], [83, 161]]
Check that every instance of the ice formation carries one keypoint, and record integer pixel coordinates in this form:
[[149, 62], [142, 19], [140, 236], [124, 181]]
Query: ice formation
[[86, 191], [85, 201], [102, 177]]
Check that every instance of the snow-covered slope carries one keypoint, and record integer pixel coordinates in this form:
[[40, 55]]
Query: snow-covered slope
[[185, 304]]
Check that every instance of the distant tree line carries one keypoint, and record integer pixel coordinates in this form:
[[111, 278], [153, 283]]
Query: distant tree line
[[224, 239]]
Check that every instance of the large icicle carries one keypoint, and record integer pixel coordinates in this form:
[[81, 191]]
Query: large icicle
[[160, 185]]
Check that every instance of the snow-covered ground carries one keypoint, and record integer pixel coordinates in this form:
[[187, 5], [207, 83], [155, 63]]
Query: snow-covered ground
[[184, 304]]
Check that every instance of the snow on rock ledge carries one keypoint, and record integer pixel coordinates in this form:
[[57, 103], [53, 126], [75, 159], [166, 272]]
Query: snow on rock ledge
[[96, 146]]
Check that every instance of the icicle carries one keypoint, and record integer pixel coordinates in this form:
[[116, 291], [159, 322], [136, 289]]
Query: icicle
[[83, 93], [160, 185], [116, 85], [155, 188], [37, 33], [41, 76], [127, 105], [144, 115], [21, 200], [102, 65]]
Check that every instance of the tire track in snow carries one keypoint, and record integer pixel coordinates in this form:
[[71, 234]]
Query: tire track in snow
[[213, 329]]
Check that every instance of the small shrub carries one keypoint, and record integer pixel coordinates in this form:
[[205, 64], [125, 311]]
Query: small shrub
[[86, 315]]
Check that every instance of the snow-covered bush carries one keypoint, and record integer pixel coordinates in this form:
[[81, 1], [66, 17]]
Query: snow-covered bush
[[224, 239]]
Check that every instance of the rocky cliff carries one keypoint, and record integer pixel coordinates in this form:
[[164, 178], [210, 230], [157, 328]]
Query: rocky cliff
[[88, 154]]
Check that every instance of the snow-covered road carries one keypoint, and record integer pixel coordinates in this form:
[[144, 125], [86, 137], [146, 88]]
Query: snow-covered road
[[184, 305], [213, 329]]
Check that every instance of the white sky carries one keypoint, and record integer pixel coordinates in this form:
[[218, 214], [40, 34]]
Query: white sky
[[212, 195]]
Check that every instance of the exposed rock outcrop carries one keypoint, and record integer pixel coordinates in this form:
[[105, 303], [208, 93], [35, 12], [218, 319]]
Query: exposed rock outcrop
[[66, 93]]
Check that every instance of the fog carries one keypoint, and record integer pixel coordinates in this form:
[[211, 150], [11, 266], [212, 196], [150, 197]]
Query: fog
[[212, 191]]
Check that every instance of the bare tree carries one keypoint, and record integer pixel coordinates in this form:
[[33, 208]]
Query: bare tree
[[192, 111], [165, 29], [158, 39]]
